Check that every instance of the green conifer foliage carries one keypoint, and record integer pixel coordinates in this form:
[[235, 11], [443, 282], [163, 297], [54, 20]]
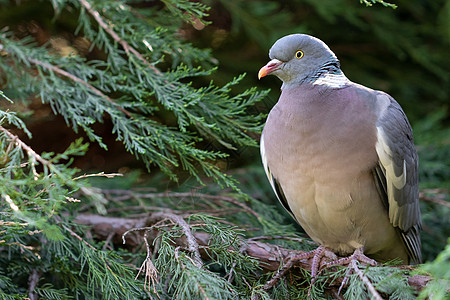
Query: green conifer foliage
[[69, 233]]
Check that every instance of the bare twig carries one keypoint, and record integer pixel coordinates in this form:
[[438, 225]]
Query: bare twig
[[190, 239], [151, 273], [20, 245], [110, 175], [145, 229], [33, 279], [211, 212], [437, 198], [230, 274], [115, 223], [108, 240], [290, 262], [344, 282], [336, 295]]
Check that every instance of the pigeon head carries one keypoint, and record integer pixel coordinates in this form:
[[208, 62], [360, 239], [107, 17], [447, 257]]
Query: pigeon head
[[298, 58]]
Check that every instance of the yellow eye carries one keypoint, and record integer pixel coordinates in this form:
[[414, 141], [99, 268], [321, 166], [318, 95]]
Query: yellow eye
[[299, 54]]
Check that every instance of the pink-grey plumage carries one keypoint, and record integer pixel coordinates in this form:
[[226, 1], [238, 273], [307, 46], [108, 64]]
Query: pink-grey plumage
[[340, 157]]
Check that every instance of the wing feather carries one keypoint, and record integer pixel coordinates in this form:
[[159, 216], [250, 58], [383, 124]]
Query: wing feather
[[396, 176]]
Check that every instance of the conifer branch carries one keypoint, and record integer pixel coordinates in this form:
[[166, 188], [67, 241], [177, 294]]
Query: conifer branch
[[74, 78], [68, 75], [105, 262], [32, 155], [127, 47], [74, 234], [269, 256], [366, 280], [78, 80], [177, 257]]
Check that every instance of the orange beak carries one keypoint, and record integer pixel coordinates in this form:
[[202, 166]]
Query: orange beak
[[269, 68]]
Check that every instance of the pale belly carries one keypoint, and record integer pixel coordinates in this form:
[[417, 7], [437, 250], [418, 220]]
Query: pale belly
[[328, 183]]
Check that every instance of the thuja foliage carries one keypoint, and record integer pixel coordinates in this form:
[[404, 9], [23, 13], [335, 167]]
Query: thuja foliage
[[141, 82], [439, 268], [129, 88], [66, 234]]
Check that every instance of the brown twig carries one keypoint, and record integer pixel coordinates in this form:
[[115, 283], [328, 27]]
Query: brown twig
[[290, 262], [115, 223], [211, 212], [230, 274], [108, 240], [190, 239], [33, 280], [437, 198], [151, 273], [32, 155], [107, 175]]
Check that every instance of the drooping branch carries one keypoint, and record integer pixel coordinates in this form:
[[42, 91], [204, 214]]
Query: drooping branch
[[68, 75], [73, 78], [77, 80]]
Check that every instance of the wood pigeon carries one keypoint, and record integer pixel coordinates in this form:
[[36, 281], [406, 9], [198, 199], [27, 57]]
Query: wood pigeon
[[340, 156]]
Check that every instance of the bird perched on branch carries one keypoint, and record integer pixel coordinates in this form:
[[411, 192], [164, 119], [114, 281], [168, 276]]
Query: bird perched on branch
[[340, 157]]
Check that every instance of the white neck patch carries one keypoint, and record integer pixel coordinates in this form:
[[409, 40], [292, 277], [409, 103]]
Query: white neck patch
[[332, 80]]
